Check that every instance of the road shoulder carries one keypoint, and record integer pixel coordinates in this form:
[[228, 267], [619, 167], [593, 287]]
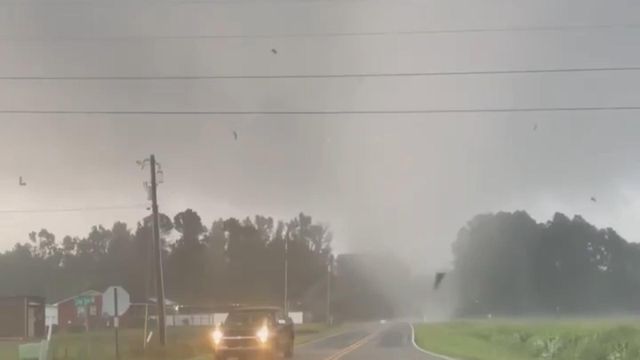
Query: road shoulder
[[417, 347]]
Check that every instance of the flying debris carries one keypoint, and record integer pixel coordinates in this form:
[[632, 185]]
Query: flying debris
[[439, 277], [235, 135], [593, 199], [274, 51], [21, 182]]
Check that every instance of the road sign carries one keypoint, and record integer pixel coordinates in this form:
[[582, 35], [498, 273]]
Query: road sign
[[109, 304], [83, 301]]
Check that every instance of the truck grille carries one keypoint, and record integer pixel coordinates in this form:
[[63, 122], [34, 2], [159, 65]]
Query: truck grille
[[240, 343], [239, 332]]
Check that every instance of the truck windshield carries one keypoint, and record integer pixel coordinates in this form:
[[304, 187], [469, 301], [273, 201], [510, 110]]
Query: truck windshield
[[248, 318]]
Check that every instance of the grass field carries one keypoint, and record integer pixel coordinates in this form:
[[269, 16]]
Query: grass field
[[533, 340], [183, 343]]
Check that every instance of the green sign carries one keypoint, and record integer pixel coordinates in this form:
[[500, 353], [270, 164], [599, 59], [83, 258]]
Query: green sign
[[82, 301]]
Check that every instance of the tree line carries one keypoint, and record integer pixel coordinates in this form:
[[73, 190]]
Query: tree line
[[508, 264], [229, 261], [504, 264]]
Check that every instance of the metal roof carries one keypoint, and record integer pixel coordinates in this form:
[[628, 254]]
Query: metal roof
[[85, 293]]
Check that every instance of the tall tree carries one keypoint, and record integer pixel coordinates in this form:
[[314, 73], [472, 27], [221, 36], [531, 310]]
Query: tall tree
[[187, 263]]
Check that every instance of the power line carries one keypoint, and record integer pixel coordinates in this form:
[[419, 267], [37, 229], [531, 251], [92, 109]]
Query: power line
[[171, 2], [321, 76], [76, 209], [345, 34], [325, 113], [558, 28]]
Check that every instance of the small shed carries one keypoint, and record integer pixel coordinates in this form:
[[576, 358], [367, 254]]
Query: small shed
[[22, 317]]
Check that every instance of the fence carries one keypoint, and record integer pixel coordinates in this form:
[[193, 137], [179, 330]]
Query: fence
[[212, 319]]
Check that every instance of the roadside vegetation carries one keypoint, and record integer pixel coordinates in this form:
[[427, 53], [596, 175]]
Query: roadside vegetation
[[533, 339]]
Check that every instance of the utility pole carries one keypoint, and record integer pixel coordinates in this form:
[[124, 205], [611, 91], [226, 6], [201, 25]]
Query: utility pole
[[116, 321], [329, 271], [286, 274], [157, 255]]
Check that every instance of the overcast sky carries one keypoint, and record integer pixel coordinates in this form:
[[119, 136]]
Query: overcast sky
[[404, 183]]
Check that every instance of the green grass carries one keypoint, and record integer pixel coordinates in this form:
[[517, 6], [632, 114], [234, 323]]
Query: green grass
[[533, 340], [183, 343]]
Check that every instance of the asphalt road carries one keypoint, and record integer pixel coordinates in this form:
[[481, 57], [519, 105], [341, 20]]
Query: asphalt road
[[369, 342]]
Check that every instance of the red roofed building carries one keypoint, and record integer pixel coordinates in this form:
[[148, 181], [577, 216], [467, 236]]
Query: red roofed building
[[72, 315]]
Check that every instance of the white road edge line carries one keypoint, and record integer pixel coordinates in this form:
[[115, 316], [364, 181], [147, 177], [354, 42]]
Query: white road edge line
[[413, 340]]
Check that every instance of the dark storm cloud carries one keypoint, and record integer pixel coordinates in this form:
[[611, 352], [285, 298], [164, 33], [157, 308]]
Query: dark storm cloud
[[399, 183]]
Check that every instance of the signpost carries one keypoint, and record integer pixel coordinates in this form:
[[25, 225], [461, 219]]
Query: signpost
[[115, 303], [84, 302], [146, 319]]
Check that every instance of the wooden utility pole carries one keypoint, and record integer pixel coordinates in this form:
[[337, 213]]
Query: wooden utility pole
[[329, 273], [158, 255], [286, 275]]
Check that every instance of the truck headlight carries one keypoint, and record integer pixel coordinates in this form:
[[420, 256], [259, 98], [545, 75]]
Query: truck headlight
[[217, 335], [263, 334]]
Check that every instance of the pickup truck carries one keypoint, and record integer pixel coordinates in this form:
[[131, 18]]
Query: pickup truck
[[256, 332]]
